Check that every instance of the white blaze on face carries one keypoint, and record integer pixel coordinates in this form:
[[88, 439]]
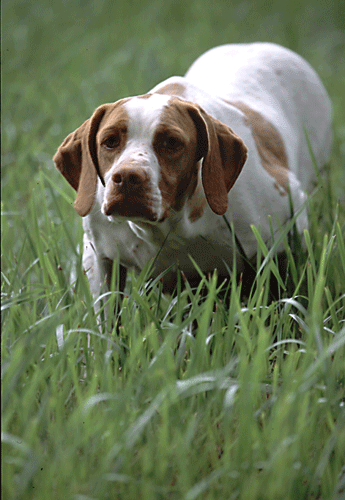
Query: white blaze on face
[[144, 115]]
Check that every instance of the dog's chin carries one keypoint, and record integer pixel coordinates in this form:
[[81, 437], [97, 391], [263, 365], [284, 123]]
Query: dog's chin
[[120, 212], [120, 219], [115, 218]]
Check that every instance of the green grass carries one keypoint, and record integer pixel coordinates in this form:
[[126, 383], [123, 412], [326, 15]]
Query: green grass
[[202, 395]]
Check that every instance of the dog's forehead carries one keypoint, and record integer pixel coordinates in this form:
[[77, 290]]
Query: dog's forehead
[[145, 113]]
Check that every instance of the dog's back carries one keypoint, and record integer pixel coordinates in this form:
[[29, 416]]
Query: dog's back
[[282, 87]]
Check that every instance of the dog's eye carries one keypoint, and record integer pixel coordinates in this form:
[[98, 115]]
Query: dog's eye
[[171, 144], [111, 142]]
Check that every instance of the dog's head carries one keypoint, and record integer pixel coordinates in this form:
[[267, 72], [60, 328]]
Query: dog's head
[[147, 152]]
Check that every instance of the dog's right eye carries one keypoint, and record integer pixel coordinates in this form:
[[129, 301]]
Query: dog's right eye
[[111, 142]]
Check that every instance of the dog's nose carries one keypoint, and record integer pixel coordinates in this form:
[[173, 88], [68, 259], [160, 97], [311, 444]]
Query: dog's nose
[[129, 193], [128, 178]]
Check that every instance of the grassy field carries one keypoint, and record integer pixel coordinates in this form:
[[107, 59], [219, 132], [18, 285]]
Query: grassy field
[[199, 396]]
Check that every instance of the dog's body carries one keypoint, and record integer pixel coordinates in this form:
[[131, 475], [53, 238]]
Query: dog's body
[[227, 139]]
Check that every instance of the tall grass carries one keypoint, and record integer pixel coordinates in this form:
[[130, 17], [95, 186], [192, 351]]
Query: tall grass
[[205, 394]]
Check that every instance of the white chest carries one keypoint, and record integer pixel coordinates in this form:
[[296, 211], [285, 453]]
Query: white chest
[[136, 245]]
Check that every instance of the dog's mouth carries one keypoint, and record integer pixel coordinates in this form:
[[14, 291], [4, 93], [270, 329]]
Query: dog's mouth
[[120, 212]]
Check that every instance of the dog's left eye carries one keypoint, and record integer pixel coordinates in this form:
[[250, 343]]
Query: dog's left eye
[[171, 144], [112, 142]]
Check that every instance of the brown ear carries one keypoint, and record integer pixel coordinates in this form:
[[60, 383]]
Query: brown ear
[[76, 159], [224, 155]]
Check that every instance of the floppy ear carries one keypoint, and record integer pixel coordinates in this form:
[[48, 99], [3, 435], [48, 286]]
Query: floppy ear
[[224, 155], [76, 159]]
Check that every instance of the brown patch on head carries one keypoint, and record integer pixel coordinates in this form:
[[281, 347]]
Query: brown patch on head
[[173, 89], [197, 135], [143, 96], [175, 144], [112, 136], [77, 157], [270, 146]]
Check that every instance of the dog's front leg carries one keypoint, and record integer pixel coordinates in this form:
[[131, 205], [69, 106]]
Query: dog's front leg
[[99, 271]]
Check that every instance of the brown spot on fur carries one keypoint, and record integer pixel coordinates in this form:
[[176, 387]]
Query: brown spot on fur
[[270, 146], [115, 124], [179, 172], [143, 96], [223, 153], [176, 89], [77, 157]]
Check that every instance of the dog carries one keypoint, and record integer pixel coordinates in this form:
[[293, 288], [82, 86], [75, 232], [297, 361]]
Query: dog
[[166, 174]]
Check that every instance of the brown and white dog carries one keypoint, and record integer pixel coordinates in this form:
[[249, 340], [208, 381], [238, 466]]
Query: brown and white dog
[[156, 173]]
